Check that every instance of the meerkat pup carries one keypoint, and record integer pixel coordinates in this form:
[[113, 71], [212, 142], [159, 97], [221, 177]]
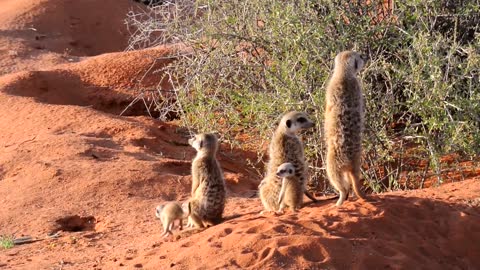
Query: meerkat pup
[[208, 185], [286, 146], [291, 193], [168, 213], [344, 123], [269, 190]]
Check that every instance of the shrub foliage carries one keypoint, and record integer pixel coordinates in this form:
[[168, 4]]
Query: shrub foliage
[[247, 62]]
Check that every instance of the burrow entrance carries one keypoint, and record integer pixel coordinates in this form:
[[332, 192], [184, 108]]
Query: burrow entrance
[[75, 223]]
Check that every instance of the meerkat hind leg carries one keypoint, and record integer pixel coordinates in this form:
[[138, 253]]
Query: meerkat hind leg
[[189, 222], [342, 197], [355, 180], [181, 224], [165, 224], [166, 230]]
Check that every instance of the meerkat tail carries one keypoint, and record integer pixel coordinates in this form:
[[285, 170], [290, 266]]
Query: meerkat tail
[[355, 180], [310, 196]]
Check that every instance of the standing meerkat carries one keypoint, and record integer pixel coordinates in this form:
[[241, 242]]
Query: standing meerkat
[[344, 123], [269, 190], [291, 193], [208, 185], [286, 146], [168, 213]]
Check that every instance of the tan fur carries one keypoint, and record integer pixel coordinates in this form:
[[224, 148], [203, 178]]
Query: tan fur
[[269, 190], [344, 123], [286, 146], [208, 185], [169, 213], [291, 192]]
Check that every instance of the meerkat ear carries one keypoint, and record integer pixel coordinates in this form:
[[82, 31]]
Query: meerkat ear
[[356, 64], [289, 123], [201, 143]]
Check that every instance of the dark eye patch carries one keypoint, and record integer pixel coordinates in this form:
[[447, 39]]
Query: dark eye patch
[[302, 120], [289, 123], [290, 171]]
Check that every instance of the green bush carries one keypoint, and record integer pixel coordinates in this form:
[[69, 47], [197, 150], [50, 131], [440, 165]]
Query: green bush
[[250, 61], [7, 241]]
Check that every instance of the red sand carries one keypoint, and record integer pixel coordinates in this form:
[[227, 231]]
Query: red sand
[[66, 152]]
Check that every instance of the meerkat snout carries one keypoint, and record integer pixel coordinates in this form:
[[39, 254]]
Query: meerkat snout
[[298, 122], [204, 142], [350, 62]]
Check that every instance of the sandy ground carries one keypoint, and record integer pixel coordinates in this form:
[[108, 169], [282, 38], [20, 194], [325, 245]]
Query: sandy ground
[[69, 162]]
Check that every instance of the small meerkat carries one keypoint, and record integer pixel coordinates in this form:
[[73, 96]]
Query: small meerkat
[[208, 185], [291, 193], [344, 123], [286, 146], [269, 190], [168, 213]]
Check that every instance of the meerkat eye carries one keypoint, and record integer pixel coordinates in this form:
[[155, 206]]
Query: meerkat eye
[[290, 171], [289, 123], [302, 120]]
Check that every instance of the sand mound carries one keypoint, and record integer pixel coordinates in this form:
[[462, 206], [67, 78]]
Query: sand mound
[[429, 229], [83, 28], [58, 31], [106, 82]]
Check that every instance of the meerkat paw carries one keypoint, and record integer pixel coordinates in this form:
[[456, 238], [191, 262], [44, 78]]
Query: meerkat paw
[[165, 234], [265, 212]]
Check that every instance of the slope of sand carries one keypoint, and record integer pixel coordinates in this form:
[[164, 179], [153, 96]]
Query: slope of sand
[[42, 33], [70, 164]]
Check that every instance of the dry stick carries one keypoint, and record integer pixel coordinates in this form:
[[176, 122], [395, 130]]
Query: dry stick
[[424, 174], [399, 168], [29, 140]]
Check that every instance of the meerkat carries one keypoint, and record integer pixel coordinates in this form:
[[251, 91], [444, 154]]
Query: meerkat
[[291, 192], [208, 185], [344, 123], [168, 213], [286, 146], [269, 191]]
